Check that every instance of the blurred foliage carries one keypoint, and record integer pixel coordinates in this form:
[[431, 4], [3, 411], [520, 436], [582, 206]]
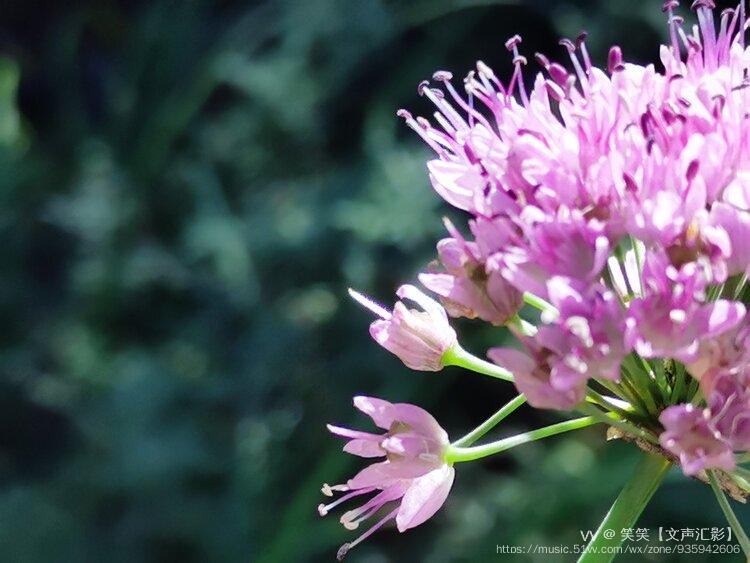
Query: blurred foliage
[[188, 188]]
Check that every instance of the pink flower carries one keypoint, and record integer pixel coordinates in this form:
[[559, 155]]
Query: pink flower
[[414, 480], [706, 438], [727, 352], [418, 338], [729, 405], [673, 316], [471, 285], [689, 435], [540, 373], [561, 244], [555, 175]]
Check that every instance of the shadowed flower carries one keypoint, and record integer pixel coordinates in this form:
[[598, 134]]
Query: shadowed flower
[[419, 338], [471, 285], [412, 482], [689, 435], [728, 352], [673, 317], [541, 374], [729, 404]]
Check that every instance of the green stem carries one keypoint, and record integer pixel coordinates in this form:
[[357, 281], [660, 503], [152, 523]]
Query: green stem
[[457, 356], [626, 509], [625, 410], [613, 419], [490, 423], [729, 514], [457, 454], [680, 380], [540, 304], [526, 328]]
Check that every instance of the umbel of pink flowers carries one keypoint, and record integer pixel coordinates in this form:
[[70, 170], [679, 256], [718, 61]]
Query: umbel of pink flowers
[[609, 230]]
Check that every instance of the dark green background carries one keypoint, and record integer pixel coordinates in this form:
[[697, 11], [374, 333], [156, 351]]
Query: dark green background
[[188, 188]]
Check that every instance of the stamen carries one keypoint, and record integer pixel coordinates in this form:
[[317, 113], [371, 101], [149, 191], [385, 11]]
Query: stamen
[[705, 9], [614, 60], [558, 73], [581, 42], [467, 107], [570, 46], [344, 549], [518, 61], [327, 489], [324, 509], [542, 60], [442, 76], [368, 303]]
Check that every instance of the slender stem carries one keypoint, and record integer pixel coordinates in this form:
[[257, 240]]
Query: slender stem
[[526, 328], [613, 419], [623, 408], [626, 509], [679, 384], [641, 380], [637, 399], [457, 454], [539, 303], [490, 423], [457, 356], [729, 514], [741, 472], [740, 286]]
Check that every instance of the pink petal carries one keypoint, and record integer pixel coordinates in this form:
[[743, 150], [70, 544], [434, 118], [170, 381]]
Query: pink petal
[[380, 411], [425, 497]]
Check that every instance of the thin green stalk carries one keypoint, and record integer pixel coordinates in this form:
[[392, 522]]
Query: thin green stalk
[[636, 398], [694, 394], [613, 419], [526, 328], [642, 381], [740, 286], [540, 304], [490, 423], [617, 390], [729, 514], [625, 411], [639, 252], [680, 380], [457, 454], [741, 472], [626, 509], [457, 356]]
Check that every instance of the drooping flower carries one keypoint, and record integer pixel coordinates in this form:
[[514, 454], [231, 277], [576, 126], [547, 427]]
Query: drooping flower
[[419, 338], [413, 481]]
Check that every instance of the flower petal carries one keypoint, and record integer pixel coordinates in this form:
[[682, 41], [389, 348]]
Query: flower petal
[[425, 497]]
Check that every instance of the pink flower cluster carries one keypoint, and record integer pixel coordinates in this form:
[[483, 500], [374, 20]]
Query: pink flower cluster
[[619, 196], [556, 178], [618, 201]]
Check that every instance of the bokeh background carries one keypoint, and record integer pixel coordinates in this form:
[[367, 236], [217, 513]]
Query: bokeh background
[[187, 190]]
